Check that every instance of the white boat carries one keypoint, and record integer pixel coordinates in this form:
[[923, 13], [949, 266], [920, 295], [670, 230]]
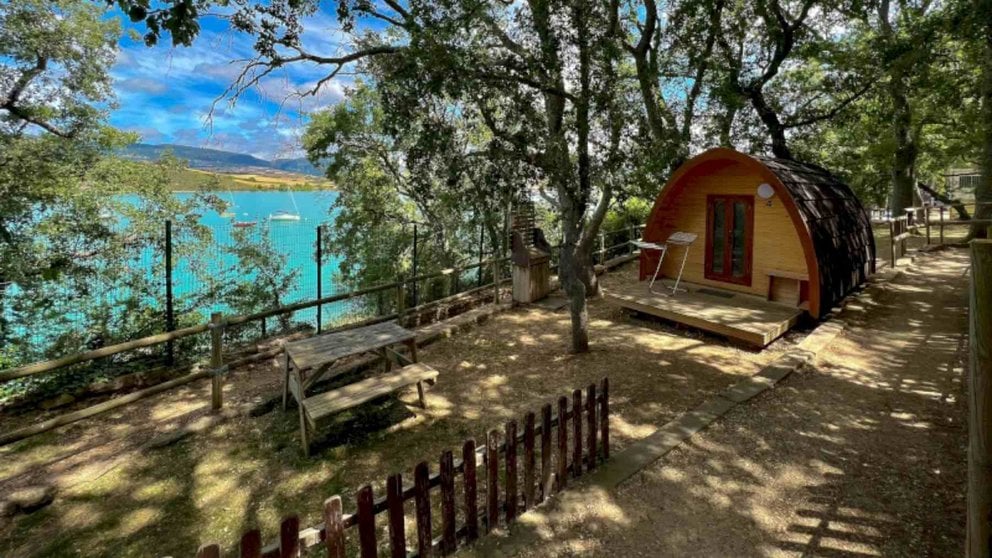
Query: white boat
[[283, 215]]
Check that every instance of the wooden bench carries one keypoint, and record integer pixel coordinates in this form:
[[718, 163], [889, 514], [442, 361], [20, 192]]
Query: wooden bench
[[321, 406]]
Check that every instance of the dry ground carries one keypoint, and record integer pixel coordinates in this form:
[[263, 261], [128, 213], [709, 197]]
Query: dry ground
[[117, 497], [861, 455]]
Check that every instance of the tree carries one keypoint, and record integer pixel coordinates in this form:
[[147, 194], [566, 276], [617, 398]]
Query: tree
[[982, 26], [779, 57]]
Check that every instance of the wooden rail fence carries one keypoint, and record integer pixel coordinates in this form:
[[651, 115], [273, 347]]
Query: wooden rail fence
[[494, 495]]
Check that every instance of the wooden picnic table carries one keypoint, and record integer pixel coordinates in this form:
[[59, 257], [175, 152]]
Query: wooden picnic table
[[313, 358]]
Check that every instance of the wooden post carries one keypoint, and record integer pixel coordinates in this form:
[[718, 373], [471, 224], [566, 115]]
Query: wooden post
[[941, 224], [170, 316], [397, 523], [366, 523], [926, 221], [892, 242], [492, 483], [289, 537], [216, 360], [448, 540], [334, 527], [471, 492], [496, 280], [319, 256], [512, 496], [979, 531], [400, 300]]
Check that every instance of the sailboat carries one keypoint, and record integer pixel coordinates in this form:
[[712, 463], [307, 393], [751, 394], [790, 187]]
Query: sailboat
[[283, 215]]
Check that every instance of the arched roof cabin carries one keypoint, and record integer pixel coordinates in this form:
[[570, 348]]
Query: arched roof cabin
[[803, 240]]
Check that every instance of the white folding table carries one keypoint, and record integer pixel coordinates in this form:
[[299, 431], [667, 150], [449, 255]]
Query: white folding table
[[676, 239]]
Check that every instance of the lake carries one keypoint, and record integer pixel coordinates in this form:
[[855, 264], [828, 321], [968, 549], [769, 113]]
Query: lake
[[296, 240]]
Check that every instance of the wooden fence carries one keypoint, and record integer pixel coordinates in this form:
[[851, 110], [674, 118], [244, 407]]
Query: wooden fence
[[216, 327], [542, 452]]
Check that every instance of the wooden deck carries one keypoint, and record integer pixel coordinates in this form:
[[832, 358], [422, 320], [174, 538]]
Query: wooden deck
[[742, 317]]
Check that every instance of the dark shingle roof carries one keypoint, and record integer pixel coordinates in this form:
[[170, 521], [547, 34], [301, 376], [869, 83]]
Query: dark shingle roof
[[838, 224]]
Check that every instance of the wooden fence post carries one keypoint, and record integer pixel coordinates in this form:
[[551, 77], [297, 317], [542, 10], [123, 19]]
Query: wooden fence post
[[448, 529], [366, 523], [941, 224], [577, 433], [496, 280], [397, 524], [545, 452], [892, 242], [216, 361], [926, 221], [562, 473], [492, 482], [979, 530], [400, 300], [289, 537], [334, 527], [471, 492]]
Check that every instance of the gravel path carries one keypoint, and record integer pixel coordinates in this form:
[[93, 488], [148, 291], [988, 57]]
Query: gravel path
[[862, 454]]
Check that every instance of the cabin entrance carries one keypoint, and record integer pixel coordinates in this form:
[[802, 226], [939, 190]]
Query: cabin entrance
[[729, 238]]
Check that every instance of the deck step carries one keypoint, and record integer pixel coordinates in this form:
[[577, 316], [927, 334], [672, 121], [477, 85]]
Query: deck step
[[322, 405]]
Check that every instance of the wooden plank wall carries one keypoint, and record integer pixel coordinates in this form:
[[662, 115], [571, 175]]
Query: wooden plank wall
[[776, 242], [506, 490]]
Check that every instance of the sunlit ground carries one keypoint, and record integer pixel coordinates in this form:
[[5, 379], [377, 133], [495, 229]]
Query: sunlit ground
[[118, 498], [862, 455]]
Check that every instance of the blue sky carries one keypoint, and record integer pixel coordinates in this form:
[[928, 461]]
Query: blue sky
[[165, 93]]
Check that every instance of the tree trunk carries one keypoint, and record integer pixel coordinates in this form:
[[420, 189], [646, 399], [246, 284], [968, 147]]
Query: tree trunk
[[768, 116], [904, 158]]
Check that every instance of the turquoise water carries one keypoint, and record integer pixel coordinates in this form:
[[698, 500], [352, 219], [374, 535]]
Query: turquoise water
[[296, 240]]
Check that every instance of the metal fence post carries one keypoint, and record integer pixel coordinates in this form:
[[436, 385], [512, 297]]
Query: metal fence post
[[170, 317], [216, 360], [319, 292]]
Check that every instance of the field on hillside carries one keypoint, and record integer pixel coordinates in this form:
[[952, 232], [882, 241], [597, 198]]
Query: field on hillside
[[194, 179]]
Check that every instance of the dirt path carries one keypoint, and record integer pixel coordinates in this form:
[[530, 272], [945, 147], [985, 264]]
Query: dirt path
[[863, 454]]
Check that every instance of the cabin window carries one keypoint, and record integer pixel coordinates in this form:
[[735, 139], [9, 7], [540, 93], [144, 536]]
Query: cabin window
[[729, 228]]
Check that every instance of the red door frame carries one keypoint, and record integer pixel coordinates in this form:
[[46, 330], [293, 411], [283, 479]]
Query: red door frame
[[728, 224]]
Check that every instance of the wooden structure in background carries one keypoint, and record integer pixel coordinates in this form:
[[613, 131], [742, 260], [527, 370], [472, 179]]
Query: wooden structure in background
[[979, 538], [531, 256], [805, 245], [548, 450]]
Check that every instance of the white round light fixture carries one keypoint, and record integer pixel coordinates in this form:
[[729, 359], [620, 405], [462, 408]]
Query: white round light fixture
[[765, 191]]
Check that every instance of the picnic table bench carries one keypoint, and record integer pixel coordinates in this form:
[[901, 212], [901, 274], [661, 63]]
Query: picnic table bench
[[310, 360]]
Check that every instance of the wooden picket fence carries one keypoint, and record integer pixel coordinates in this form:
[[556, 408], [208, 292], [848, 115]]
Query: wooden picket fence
[[547, 441]]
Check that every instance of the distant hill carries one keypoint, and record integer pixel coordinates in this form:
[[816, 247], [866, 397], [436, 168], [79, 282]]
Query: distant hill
[[221, 161]]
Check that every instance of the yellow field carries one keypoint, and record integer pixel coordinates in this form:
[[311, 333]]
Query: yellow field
[[193, 179]]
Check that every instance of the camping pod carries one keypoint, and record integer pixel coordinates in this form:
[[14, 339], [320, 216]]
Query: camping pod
[[782, 230]]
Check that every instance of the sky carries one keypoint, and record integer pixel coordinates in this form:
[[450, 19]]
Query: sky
[[165, 93]]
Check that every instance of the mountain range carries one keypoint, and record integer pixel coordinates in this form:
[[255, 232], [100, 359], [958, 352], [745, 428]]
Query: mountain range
[[217, 160]]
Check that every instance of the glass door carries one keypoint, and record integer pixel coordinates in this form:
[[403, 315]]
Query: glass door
[[729, 228]]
